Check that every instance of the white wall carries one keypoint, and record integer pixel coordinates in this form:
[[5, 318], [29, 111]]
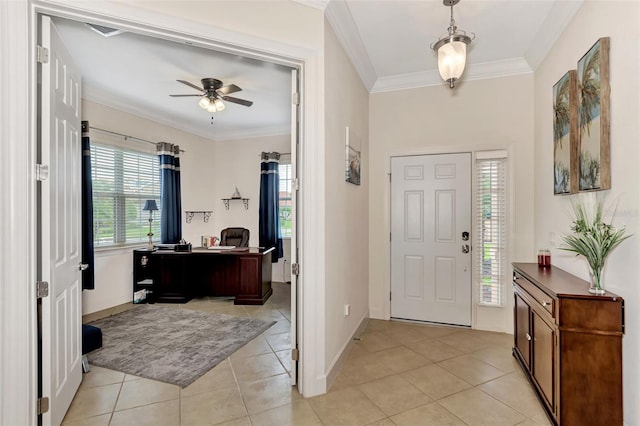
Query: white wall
[[209, 171], [345, 211], [476, 115], [618, 20]]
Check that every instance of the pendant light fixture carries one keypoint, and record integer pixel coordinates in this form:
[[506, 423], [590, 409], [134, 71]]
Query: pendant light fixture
[[452, 49]]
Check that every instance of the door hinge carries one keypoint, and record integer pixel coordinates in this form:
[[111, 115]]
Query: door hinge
[[42, 289], [389, 177], [42, 405], [389, 296], [295, 354], [295, 269], [42, 172], [42, 55], [295, 98], [295, 184], [389, 236]]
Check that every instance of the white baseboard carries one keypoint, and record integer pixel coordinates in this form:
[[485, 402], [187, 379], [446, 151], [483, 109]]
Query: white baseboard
[[339, 360]]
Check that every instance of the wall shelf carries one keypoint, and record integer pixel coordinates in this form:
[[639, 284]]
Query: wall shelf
[[206, 214], [245, 201]]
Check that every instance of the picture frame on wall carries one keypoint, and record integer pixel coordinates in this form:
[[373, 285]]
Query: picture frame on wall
[[352, 157], [594, 118], [565, 135]]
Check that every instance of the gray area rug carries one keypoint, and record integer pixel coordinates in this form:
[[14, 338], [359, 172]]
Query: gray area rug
[[172, 345]]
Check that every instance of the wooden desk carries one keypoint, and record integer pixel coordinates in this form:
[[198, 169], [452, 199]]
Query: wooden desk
[[177, 277]]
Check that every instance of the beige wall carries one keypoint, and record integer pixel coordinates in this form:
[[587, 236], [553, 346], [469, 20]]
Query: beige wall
[[619, 21], [209, 171], [477, 115], [345, 209]]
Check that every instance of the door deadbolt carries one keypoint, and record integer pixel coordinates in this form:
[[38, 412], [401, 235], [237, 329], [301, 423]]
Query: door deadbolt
[[465, 236]]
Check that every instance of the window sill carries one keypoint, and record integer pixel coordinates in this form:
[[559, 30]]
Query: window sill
[[118, 250]]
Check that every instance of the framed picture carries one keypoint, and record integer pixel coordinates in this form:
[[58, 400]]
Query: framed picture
[[565, 134], [594, 118], [352, 165]]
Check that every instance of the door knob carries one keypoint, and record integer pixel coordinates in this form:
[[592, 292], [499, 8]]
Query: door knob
[[83, 266], [465, 248]]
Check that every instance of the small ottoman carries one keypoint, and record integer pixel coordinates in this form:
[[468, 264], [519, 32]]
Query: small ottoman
[[91, 340]]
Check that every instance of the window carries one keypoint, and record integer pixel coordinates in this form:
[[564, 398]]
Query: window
[[122, 180], [491, 227], [284, 171]]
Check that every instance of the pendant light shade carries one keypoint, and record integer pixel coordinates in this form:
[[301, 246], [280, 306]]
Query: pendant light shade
[[452, 50]]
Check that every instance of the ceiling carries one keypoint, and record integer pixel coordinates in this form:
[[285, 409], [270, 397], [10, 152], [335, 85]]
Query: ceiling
[[387, 41]]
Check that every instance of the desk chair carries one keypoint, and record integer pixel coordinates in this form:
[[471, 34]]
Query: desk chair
[[238, 237]]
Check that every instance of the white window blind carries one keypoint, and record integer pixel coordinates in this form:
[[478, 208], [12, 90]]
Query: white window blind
[[490, 247], [122, 181], [284, 172]]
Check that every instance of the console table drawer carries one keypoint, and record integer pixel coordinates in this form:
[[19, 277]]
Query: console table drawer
[[547, 302]]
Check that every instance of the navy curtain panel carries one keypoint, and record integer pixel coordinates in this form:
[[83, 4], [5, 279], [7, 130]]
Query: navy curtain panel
[[88, 282], [170, 203], [269, 219]]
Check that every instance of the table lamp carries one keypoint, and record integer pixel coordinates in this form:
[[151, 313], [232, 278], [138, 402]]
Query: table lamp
[[150, 205]]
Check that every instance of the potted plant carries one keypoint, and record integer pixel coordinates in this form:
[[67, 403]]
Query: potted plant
[[594, 239]]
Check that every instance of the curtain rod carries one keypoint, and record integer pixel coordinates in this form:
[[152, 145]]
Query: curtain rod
[[126, 137]]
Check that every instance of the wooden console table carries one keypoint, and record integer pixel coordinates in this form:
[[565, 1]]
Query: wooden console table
[[168, 276], [569, 344]]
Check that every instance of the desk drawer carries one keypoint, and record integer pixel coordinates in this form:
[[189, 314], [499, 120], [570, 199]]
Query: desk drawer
[[544, 300]]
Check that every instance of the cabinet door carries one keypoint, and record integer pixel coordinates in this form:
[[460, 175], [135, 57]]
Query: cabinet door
[[543, 357], [172, 281], [522, 330]]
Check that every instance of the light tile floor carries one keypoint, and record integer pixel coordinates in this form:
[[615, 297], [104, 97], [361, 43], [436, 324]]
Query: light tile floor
[[398, 373]]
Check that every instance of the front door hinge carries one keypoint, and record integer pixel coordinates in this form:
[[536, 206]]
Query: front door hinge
[[42, 55], [295, 269], [295, 184], [42, 289], [295, 98], [42, 405], [295, 354], [42, 172]]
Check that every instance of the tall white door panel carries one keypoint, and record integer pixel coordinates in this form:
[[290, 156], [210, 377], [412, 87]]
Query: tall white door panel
[[60, 204], [430, 238]]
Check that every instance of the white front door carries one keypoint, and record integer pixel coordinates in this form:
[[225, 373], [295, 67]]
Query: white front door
[[430, 241], [60, 204]]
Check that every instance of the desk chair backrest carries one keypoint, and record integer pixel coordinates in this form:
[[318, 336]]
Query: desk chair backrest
[[238, 237]]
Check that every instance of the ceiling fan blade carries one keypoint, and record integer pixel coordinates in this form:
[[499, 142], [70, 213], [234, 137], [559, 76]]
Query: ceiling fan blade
[[231, 88], [179, 96], [237, 101], [191, 85]]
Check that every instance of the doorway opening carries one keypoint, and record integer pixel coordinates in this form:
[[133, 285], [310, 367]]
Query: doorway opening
[[295, 145]]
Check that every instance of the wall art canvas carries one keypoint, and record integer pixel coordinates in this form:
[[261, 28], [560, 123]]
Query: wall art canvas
[[352, 169], [565, 135], [594, 118]]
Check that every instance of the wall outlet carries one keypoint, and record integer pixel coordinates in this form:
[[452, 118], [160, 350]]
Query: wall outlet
[[347, 310]]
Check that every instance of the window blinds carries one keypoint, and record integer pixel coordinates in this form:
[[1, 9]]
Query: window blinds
[[491, 229], [122, 181]]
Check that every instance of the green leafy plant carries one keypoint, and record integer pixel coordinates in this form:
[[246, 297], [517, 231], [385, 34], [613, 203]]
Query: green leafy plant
[[593, 238]]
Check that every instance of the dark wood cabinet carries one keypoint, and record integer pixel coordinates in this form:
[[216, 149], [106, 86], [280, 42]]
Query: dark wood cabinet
[[177, 277], [142, 276], [569, 343]]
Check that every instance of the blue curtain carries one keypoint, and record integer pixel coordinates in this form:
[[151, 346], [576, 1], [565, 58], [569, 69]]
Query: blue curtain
[[269, 219], [87, 211], [170, 202]]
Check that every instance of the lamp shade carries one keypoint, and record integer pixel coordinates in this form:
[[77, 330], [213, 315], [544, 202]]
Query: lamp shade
[[150, 205], [452, 58]]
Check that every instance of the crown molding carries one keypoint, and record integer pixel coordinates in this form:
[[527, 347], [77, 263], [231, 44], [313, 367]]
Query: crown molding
[[316, 4], [220, 135], [557, 20], [340, 19], [505, 68]]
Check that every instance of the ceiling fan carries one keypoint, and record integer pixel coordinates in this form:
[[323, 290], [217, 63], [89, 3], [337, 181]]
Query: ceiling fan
[[212, 94]]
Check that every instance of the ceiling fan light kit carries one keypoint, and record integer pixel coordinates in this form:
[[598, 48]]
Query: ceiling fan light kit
[[452, 49], [213, 93]]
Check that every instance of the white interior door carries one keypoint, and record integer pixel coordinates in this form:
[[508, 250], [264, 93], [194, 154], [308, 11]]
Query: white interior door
[[60, 205], [294, 242], [430, 241]]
